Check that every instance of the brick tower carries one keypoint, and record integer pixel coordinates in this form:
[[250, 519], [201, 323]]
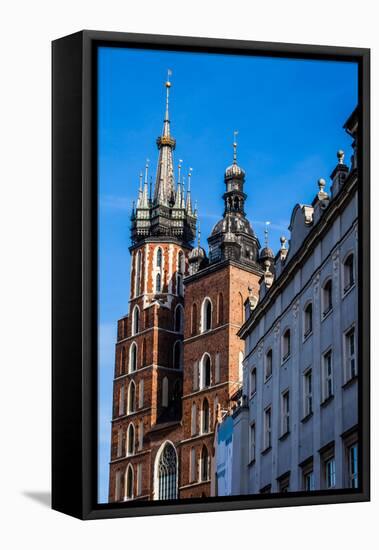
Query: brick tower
[[215, 292], [178, 358], [147, 389]]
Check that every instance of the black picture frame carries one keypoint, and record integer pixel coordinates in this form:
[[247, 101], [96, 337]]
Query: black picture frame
[[74, 273]]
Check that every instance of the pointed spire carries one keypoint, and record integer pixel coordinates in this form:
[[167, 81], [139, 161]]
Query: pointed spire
[[266, 233], [188, 198], [178, 196], [182, 205], [145, 198], [164, 192]]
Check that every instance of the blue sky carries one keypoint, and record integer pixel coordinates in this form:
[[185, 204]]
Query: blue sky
[[289, 115]]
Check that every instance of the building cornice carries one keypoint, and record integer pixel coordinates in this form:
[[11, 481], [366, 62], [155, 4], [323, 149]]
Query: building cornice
[[306, 249], [216, 266]]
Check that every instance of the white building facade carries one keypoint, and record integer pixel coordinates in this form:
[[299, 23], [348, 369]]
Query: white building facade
[[297, 426]]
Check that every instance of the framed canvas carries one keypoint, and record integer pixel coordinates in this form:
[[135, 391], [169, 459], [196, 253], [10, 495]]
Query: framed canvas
[[210, 285]]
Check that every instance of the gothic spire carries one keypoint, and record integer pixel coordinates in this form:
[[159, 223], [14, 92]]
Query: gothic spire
[[164, 184], [188, 198]]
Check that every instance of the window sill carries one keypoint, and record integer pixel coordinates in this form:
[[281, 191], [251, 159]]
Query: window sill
[[306, 418], [268, 379], [326, 401], [266, 450], [326, 314], [350, 382], [284, 436], [347, 290], [285, 359], [307, 335]]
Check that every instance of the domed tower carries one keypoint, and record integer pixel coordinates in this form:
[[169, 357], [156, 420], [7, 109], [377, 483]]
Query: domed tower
[[215, 293], [233, 237]]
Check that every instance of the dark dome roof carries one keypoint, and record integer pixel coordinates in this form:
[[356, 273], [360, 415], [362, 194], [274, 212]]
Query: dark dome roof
[[197, 252], [266, 252], [238, 225], [234, 171]]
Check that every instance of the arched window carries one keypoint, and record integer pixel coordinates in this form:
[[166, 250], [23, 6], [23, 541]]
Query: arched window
[[268, 364], [131, 397], [220, 309], [179, 284], [166, 473], [348, 273], [204, 464], [194, 320], [130, 440], [158, 284], [178, 355], [181, 262], [135, 320], [159, 257], [206, 315], [129, 482], [137, 281], [286, 344], [178, 321], [123, 361], [133, 357], [165, 392], [205, 372], [327, 299], [308, 319], [205, 421], [193, 419], [143, 353]]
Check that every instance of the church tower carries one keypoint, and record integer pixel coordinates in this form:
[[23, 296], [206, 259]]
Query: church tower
[[147, 388], [215, 292]]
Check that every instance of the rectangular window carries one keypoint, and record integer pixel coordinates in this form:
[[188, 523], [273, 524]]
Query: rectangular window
[[253, 381], [353, 465], [268, 365], [308, 404], [284, 484], [285, 412], [330, 473], [121, 402], [252, 443], [309, 481], [327, 376], [139, 479], [267, 429], [350, 358]]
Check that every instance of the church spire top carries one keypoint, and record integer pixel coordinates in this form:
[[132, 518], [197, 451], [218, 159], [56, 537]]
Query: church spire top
[[164, 190]]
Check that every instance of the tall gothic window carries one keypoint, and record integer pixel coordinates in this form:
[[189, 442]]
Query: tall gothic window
[[158, 283], [205, 420], [206, 315], [131, 440], [204, 464], [178, 318], [135, 321], [133, 357], [129, 482], [166, 471], [131, 397], [181, 262], [205, 372], [159, 257]]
